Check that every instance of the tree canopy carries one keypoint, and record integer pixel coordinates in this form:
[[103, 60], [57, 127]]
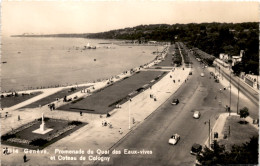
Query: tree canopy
[[246, 153], [212, 38]]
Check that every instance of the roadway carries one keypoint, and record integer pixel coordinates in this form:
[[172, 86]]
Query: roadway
[[249, 92], [198, 93]]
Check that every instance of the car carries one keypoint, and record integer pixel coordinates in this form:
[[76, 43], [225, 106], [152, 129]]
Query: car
[[196, 115], [174, 139], [175, 101], [196, 149], [202, 74]]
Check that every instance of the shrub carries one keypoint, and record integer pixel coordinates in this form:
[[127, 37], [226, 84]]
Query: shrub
[[45, 119], [38, 142], [75, 123], [7, 136]]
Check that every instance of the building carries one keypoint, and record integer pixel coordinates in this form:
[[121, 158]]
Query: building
[[252, 80], [236, 59], [223, 57]]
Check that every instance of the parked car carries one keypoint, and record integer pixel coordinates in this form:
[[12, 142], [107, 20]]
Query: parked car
[[196, 149], [196, 115], [174, 139], [175, 101], [202, 74]]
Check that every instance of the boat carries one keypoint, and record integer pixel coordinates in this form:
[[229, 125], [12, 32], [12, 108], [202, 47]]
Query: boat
[[90, 47]]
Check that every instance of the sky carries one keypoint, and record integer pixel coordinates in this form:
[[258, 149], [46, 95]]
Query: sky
[[50, 17]]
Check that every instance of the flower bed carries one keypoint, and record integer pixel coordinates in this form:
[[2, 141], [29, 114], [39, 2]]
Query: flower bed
[[23, 127], [55, 135], [18, 140], [24, 136]]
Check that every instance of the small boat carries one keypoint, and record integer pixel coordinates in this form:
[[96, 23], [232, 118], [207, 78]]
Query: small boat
[[90, 47]]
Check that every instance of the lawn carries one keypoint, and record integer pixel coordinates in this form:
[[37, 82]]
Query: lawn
[[168, 58], [105, 100], [13, 100], [51, 98], [24, 136], [239, 133], [167, 61]]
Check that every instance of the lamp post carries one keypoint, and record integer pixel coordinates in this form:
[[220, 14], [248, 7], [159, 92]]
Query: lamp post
[[230, 93], [129, 127], [209, 130], [238, 88]]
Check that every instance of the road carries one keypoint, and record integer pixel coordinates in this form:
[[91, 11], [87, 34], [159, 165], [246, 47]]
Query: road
[[198, 93], [250, 93]]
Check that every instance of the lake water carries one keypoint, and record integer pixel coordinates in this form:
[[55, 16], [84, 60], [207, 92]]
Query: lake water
[[45, 62]]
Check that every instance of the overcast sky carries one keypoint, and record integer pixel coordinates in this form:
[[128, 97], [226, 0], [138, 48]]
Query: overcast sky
[[93, 16]]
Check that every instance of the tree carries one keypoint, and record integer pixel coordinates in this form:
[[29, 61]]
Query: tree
[[237, 68], [246, 153], [244, 113], [212, 156]]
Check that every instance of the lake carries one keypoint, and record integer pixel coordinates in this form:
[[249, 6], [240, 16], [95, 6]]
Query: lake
[[47, 62]]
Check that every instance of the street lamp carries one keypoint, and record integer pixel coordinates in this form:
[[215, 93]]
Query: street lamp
[[238, 88], [209, 130], [129, 113], [230, 93]]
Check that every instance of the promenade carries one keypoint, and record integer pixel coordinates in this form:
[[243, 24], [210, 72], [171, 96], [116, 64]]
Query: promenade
[[95, 136]]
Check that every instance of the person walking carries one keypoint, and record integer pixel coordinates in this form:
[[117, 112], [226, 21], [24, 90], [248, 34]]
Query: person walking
[[24, 158]]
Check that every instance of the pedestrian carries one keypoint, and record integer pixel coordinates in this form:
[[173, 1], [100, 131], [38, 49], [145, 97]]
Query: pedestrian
[[19, 118], [173, 81], [185, 80], [120, 131], [24, 158], [102, 123], [80, 113], [5, 151]]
